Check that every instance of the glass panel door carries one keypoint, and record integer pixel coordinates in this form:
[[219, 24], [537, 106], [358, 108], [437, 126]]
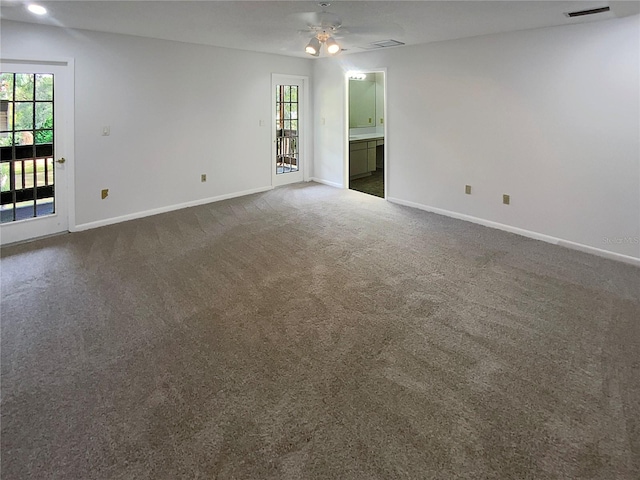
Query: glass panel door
[[287, 154], [27, 174], [288, 99], [36, 134]]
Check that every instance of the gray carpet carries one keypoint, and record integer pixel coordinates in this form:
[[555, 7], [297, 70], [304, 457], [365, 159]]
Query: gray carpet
[[315, 333]]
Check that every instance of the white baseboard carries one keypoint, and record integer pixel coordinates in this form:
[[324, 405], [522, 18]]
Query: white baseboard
[[170, 208], [519, 231], [326, 182]]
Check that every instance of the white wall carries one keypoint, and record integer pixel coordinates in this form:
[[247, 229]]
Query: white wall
[[549, 116], [176, 110]]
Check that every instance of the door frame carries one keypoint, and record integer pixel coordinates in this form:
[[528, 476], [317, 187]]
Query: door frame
[[64, 144], [303, 174], [345, 178]]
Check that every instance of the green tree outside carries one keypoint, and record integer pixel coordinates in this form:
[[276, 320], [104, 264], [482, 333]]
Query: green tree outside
[[26, 109]]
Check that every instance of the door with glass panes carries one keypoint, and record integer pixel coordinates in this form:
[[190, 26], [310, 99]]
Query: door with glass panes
[[288, 104], [33, 172]]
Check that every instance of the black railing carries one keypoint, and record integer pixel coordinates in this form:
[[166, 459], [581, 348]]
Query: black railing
[[17, 188]]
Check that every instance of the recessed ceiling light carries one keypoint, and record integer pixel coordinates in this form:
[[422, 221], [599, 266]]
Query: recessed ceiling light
[[37, 9]]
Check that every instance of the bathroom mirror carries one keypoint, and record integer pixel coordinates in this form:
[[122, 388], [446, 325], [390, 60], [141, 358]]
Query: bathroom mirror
[[362, 103]]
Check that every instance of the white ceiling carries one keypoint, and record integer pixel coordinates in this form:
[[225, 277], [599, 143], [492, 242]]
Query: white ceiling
[[273, 27]]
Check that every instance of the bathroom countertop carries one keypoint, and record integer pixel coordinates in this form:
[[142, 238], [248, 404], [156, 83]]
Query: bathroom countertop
[[366, 136]]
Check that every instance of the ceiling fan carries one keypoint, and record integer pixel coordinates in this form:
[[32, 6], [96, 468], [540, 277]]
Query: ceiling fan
[[325, 27]]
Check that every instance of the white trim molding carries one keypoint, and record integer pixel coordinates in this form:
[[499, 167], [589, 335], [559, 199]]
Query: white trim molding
[[169, 208], [519, 231], [326, 182]]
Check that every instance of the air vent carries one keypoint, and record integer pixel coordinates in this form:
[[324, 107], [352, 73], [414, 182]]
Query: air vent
[[591, 11], [382, 44]]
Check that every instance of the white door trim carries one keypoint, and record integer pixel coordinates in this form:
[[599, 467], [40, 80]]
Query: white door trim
[[345, 178], [64, 142], [304, 127]]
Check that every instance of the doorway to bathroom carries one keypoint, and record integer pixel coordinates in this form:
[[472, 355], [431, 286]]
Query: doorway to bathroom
[[367, 133]]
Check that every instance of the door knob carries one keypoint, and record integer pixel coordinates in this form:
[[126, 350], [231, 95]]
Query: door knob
[[61, 160]]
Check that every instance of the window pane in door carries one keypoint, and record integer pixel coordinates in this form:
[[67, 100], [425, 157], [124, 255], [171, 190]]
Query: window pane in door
[[23, 86], [28, 173], [49, 171], [44, 115], [41, 174], [6, 86], [5, 172], [6, 115], [6, 213], [17, 175], [24, 116], [25, 210], [44, 136], [44, 86], [23, 138], [44, 206]]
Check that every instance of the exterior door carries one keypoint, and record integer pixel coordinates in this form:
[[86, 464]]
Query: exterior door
[[288, 159], [33, 166]]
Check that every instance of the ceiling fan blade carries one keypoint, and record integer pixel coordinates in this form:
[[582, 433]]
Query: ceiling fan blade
[[304, 18], [316, 19]]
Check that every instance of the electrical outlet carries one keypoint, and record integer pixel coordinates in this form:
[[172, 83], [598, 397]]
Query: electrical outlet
[[467, 189], [203, 177], [104, 193], [506, 199], [381, 121]]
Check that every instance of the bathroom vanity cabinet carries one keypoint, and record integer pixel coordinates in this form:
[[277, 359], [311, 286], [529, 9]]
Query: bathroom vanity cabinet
[[363, 155]]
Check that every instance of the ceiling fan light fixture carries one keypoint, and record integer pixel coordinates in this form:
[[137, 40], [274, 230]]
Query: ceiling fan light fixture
[[332, 46], [313, 47]]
